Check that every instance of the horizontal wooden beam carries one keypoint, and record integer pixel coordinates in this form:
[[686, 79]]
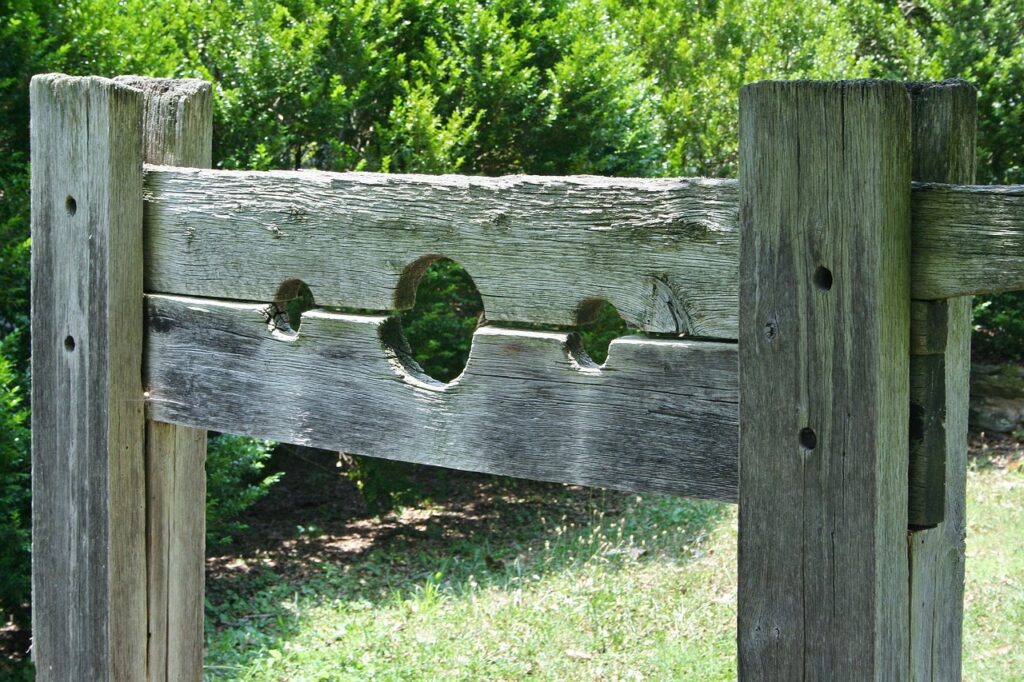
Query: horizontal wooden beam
[[663, 251], [967, 240], [660, 416]]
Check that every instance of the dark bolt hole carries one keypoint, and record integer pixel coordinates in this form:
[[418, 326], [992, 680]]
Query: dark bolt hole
[[71, 205], [69, 343], [808, 439], [823, 278]]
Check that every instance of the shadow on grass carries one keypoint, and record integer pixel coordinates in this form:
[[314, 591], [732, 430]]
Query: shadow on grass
[[310, 544]]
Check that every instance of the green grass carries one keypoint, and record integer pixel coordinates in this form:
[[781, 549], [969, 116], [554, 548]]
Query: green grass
[[545, 583], [536, 582], [577, 586], [994, 601]]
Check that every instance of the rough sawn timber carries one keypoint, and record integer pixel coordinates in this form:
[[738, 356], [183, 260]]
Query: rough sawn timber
[[967, 240], [664, 252], [824, 380], [661, 251], [659, 416], [944, 119], [88, 484], [177, 130]]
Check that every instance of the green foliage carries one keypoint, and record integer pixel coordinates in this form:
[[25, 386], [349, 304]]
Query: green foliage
[[440, 326], [999, 328], [606, 326], [388, 484], [233, 483], [15, 524]]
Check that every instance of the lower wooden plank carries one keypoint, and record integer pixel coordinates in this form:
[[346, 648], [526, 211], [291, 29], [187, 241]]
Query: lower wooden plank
[[660, 416]]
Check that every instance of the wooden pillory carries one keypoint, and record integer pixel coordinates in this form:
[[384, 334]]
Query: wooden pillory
[[822, 383]]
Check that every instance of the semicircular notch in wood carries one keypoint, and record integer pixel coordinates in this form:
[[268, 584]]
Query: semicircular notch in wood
[[658, 416]]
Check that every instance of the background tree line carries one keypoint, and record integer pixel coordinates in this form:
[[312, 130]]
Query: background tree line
[[614, 87]]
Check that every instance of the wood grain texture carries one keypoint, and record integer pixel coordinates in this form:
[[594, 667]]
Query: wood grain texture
[[361, 240], [177, 125], [660, 416], [944, 120], [967, 240], [824, 175], [88, 499], [176, 525], [662, 251]]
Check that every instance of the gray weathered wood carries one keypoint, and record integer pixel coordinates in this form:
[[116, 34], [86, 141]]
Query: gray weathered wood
[[88, 485], [967, 240], [177, 128], [944, 116], [176, 526], [351, 236], [662, 251], [824, 174], [660, 416]]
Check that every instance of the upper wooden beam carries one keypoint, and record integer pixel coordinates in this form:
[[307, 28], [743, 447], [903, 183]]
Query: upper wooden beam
[[662, 251], [967, 240], [665, 252]]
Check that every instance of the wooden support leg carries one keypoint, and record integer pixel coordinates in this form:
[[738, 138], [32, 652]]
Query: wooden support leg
[[944, 121], [824, 380], [176, 527], [88, 486], [177, 131]]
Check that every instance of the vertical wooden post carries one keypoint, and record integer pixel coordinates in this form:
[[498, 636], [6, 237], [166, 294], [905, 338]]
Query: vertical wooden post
[[88, 487], [824, 388], [177, 131], [944, 123]]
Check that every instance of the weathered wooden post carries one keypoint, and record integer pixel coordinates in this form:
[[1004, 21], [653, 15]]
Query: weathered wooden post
[[118, 502], [177, 125], [88, 485], [824, 388], [944, 124]]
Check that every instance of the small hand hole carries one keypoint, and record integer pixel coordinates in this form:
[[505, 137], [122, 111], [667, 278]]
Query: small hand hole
[[71, 206], [823, 278], [599, 324], [69, 343], [285, 314], [808, 439]]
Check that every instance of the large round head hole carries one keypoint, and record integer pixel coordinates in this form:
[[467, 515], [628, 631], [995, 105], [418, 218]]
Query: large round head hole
[[599, 324], [285, 313], [439, 327]]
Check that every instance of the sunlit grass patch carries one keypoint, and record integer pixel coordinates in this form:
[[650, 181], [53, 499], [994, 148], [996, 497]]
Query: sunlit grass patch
[[549, 583], [587, 586]]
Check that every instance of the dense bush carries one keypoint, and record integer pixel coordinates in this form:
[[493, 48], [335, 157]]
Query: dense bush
[[234, 481], [14, 492], [999, 328]]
